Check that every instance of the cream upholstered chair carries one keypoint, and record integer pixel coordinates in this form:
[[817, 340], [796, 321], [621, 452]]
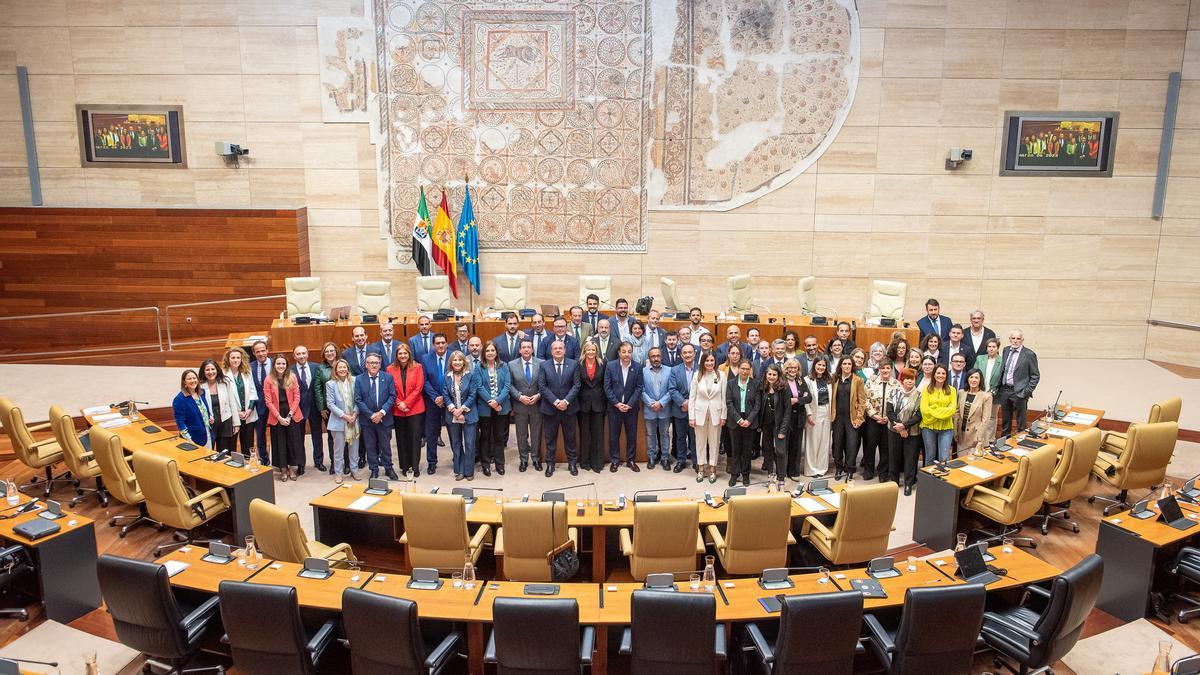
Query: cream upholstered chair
[[666, 538], [601, 285], [278, 534], [1164, 411], [863, 524], [79, 459], [373, 297], [741, 293], [435, 532], [1140, 464], [433, 293], [1070, 477], [169, 503], [119, 480], [808, 295], [670, 298], [1011, 501], [529, 532], [887, 300], [303, 295], [43, 454], [757, 536], [511, 292]]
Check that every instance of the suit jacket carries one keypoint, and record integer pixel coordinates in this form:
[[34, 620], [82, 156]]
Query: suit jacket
[[649, 342], [387, 352], [259, 373], [417, 345], [271, 391], [308, 399], [372, 399], [981, 412], [988, 334], [723, 351], [964, 348], [1025, 374], [732, 399], [681, 389], [671, 358], [631, 392], [556, 387], [594, 320], [707, 400], [456, 346], [962, 379], [468, 391], [338, 406], [503, 353], [858, 400], [433, 385], [351, 356], [656, 388], [537, 342], [503, 386], [409, 389], [251, 395], [608, 352], [585, 331], [519, 386], [591, 389], [991, 381], [572, 351], [189, 420], [780, 421], [614, 323], [943, 328], [799, 412]]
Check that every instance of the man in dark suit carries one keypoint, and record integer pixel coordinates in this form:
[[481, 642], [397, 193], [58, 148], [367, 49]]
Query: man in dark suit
[[578, 328], [623, 388], [733, 336], [375, 394], [621, 323], [508, 343], [421, 343], [843, 333], [1018, 379], [386, 347], [462, 333], [356, 354], [260, 369], [559, 385], [978, 335], [607, 342], [683, 441], [305, 374], [933, 321], [526, 413], [559, 335], [812, 354], [957, 345], [434, 365], [655, 336], [957, 377], [537, 333], [593, 314], [672, 355]]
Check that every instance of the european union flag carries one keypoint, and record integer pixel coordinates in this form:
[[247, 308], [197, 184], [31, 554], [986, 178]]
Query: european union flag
[[468, 242]]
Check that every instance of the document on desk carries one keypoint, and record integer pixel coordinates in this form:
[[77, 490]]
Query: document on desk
[[175, 567], [834, 500], [809, 504], [977, 472], [1061, 433], [1079, 418], [105, 416], [363, 503], [96, 410], [113, 424], [1019, 452]]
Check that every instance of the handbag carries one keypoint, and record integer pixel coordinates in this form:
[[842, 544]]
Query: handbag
[[564, 561]]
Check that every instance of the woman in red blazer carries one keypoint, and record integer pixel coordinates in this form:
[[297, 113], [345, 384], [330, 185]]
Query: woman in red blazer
[[408, 414], [281, 392]]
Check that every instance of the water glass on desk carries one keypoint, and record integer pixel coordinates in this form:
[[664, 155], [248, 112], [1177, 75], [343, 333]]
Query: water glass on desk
[[252, 556]]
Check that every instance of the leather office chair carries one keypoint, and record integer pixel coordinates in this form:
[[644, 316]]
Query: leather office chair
[[15, 567], [793, 645], [433, 293], [1167, 410], [277, 533], [43, 454], [1140, 465], [119, 479], [78, 459], [435, 532], [685, 648], [757, 535], [670, 297], [248, 609], [373, 297], [168, 502], [1188, 665], [1186, 566], [1036, 639], [538, 636], [527, 533], [147, 616], [1017, 501], [303, 296], [887, 300], [807, 288], [511, 292], [937, 633], [666, 538], [862, 526], [601, 285], [741, 294], [1070, 478], [384, 636]]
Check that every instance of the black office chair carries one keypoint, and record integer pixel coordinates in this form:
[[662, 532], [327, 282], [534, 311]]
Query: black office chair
[[148, 618], [1187, 567], [797, 648], [531, 635], [938, 631], [1188, 665], [14, 566], [265, 632], [1037, 639], [384, 636], [673, 633]]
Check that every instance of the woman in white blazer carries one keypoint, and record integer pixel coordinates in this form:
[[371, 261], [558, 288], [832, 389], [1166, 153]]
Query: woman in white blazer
[[237, 373], [706, 414], [343, 417], [224, 420], [818, 436]]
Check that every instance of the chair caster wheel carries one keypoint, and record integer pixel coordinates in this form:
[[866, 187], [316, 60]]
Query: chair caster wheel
[[1075, 529], [112, 522], [1091, 500], [79, 492], [1045, 530], [121, 534], [162, 528]]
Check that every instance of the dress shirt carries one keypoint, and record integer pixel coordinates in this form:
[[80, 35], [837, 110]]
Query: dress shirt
[[1011, 366]]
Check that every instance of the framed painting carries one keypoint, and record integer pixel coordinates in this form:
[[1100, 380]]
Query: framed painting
[[1059, 143], [142, 136]]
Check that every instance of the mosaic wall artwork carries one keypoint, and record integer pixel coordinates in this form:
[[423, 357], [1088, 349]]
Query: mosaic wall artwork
[[347, 50], [747, 94], [542, 103]]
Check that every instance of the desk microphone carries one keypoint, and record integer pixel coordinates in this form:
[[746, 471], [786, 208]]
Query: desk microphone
[[13, 661], [556, 495], [652, 495]]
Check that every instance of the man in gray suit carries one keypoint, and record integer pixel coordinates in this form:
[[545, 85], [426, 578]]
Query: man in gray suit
[[1018, 378], [526, 414]]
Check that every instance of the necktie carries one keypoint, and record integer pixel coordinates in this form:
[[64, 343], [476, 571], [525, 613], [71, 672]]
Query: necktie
[[375, 387], [559, 366], [528, 376], [426, 343], [303, 375], [512, 347], [441, 371], [1012, 366], [362, 361]]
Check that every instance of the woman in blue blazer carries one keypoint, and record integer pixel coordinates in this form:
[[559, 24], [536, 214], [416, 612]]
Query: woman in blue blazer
[[493, 405], [460, 388], [191, 409]]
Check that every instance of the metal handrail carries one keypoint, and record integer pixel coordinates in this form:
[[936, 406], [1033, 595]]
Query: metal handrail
[[118, 310], [171, 344], [1173, 324]]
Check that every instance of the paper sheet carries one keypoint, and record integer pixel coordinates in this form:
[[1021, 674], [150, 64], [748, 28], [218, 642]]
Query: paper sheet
[[1061, 433], [809, 504], [834, 500], [976, 471], [104, 417], [1079, 418], [175, 567], [1019, 452], [363, 503], [113, 424], [96, 410]]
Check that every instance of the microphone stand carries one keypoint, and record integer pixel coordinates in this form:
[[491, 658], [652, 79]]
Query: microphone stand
[[647, 492]]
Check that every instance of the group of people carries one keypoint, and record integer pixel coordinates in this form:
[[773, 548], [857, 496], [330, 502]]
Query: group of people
[[799, 405]]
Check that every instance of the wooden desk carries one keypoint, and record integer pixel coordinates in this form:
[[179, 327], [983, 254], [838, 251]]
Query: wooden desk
[[315, 593], [66, 561], [935, 519], [1133, 551], [205, 576], [242, 485]]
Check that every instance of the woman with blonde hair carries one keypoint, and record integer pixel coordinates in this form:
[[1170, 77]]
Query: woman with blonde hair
[[237, 375], [322, 371], [460, 389], [343, 419], [706, 414]]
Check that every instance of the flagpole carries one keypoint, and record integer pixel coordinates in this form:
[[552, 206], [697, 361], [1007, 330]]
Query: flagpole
[[466, 184]]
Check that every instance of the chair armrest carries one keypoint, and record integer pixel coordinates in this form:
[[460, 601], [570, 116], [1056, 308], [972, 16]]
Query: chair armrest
[[480, 536], [718, 539], [818, 525], [209, 494], [626, 542], [699, 543], [40, 426], [47, 441], [573, 535], [498, 543], [879, 634], [403, 540], [719, 649], [489, 652], [587, 644], [197, 620], [1014, 626], [339, 548], [759, 642], [320, 641], [1038, 590], [440, 656], [988, 491], [791, 540], [87, 457], [626, 642]]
